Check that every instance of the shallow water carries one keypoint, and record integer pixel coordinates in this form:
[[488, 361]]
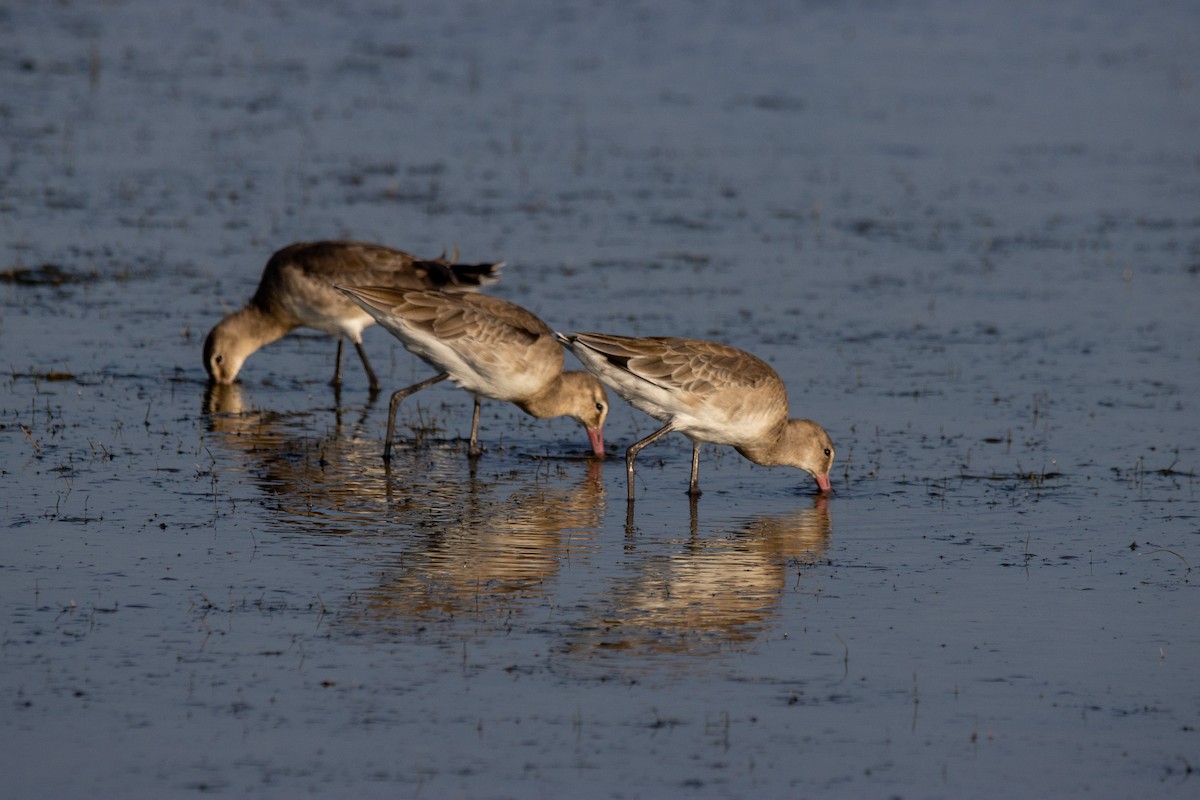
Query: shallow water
[[966, 235]]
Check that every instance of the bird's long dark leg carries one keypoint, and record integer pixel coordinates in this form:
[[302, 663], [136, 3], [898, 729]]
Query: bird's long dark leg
[[474, 450], [397, 398], [337, 366], [636, 448], [362, 354], [694, 486]]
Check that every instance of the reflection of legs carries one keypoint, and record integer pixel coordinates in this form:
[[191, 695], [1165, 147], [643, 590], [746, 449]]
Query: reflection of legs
[[366, 365], [694, 486], [636, 448], [474, 449], [397, 398]]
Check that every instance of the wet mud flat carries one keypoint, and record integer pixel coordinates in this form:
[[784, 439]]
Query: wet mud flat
[[966, 236]]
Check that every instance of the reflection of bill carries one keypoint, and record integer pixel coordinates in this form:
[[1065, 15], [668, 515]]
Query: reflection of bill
[[714, 590], [223, 401]]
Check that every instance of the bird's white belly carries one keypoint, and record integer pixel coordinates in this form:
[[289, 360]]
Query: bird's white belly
[[495, 380], [346, 319], [705, 419]]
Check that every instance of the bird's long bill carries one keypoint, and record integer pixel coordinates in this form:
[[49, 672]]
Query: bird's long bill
[[596, 437], [823, 483]]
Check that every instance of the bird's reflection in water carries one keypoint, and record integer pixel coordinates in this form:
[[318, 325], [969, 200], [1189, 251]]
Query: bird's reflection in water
[[318, 466], [490, 549], [451, 537], [460, 541], [711, 591], [314, 468]]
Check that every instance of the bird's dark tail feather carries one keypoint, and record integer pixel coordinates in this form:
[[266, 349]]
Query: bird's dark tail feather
[[448, 275]]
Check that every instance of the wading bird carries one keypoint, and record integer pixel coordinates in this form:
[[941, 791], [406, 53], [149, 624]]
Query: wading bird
[[709, 392], [490, 347], [296, 291]]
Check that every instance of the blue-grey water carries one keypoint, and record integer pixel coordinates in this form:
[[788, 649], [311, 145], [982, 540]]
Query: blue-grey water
[[967, 236]]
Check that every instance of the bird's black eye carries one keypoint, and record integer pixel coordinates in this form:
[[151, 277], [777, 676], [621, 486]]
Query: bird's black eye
[[219, 359], [599, 406], [828, 452]]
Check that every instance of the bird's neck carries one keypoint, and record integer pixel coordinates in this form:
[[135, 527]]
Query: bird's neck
[[255, 327], [553, 401], [771, 451]]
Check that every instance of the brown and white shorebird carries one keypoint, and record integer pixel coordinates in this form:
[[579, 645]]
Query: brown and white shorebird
[[709, 392], [490, 347], [296, 291]]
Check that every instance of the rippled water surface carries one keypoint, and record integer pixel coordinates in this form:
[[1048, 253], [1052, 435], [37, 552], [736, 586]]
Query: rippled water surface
[[967, 236]]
